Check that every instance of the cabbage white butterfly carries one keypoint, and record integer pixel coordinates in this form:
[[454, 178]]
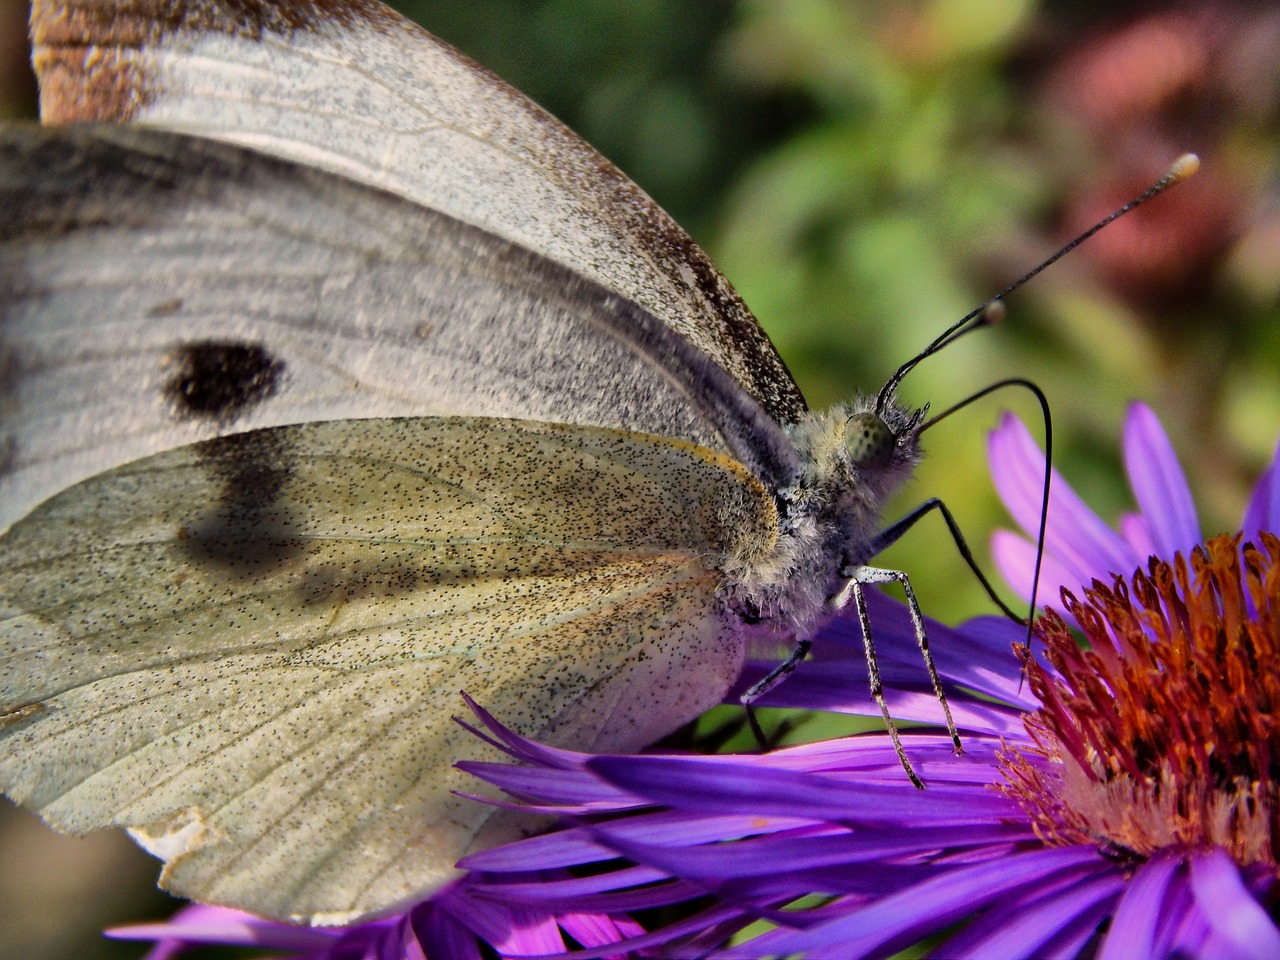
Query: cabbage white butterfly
[[339, 378]]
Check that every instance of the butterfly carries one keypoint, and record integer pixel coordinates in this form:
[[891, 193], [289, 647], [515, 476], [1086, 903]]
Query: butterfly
[[338, 378]]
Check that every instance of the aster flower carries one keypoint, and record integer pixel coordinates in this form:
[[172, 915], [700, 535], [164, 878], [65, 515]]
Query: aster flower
[[1145, 769], [1119, 800], [1079, 546]]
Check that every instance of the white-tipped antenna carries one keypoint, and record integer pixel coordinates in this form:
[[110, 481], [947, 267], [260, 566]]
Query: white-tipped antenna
[[993, 310], [985, 315]]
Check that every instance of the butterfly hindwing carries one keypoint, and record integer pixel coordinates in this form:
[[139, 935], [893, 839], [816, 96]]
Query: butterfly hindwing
[[250, 648]]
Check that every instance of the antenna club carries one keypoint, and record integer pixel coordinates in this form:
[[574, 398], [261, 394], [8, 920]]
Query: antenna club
[[994, 310], [1185, 166]]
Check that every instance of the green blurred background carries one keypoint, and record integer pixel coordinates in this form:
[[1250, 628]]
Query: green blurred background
[[865, 172]]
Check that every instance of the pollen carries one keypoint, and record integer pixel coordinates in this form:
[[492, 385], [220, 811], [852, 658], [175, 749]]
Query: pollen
[[1161, 730]]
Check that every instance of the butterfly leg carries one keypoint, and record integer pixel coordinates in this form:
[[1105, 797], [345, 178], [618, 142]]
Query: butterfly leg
[[893, 533], [854, 589], [777, 674], [858, 576], [768, 682]]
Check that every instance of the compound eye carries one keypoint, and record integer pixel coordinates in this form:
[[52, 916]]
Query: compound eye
[[868, 440]]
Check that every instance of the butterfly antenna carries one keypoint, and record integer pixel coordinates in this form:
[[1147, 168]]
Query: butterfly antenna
[[1047, 419], [993, 310]]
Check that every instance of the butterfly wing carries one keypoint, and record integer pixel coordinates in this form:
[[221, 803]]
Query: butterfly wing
[[354, 88], [249, 648], [258, 688], [156, 290]]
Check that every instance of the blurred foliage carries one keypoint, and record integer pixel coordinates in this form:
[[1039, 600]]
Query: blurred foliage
[[866, 171]]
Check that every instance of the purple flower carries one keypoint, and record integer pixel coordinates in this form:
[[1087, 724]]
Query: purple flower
[[1078, 545], [1120, 800]]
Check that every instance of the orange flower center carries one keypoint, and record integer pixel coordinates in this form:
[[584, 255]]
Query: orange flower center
[[1164, 730]]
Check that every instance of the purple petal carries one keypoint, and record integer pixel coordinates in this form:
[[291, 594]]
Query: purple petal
[[1135, 529], [520, 747], [404, 941], [592, 930], [1231, 911], [872, 758], [535, 895], [1177, 911], [694, 927], [579, 845], [902, 918], [532, 933], [1263, 512], [1069, 942], [508, 928], [721, 787], [572, 891], [1015, 558], [764, 856], [568, 788], [1024, 927], [440, 934], [219, 925], [1191, 935], [1159, 485], [1000, 633], [771, 856], [1075, 536], [1133, 934]]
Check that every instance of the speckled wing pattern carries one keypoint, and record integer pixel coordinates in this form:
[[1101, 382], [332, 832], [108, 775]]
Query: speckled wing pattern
[[385, 389], [273, 696]]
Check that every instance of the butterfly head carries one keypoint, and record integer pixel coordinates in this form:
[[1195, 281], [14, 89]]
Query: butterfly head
[[854, 457], [869, 441], [882, 444], [883, 437]]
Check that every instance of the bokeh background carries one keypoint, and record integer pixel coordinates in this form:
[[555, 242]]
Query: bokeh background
[[865, 171]]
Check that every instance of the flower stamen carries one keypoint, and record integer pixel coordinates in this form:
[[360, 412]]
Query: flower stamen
[[1162, 731]]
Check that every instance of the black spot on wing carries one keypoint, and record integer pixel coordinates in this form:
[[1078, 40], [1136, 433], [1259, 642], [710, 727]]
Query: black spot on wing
[[221, 380], [251, 528]]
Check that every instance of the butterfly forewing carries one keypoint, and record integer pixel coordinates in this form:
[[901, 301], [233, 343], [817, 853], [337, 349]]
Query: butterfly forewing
[[250, 648], [159, 290], [356, 89]]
